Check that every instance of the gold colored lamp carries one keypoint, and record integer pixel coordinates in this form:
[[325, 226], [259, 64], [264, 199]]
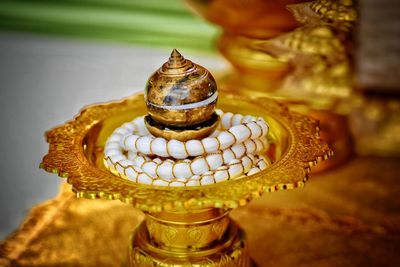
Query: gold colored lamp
[[184, 226]]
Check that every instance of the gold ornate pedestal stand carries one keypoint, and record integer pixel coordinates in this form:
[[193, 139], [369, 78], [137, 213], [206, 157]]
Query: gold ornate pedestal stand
[[184, 226], [204, 237]]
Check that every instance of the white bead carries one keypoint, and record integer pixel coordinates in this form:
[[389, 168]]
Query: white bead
[[176, 184], [183, 180], [226, 140], [253, 170], [264, 127], [119, 168], [177, 149], [159, 147], [157, 160], [194, 148], [131, 173], [114, 138], [129, 143], [129, 126], [262, 164], [125, 163], [132, 155], [193, 183], [199, 166], [237, 119], [205, 180], [221, 175], [228, 156], [259, 145], [149, 167], [214, 161], [238, 150], [252, 158], [141, 127], [256, 130], [122, 131], [112, 145], [144, 179], [210, 144], [143, 144], [138, 161], [109, 163], [240, 132], [250, 146], [226, 120], [195, 177], [164, 170], [160, 182], [248, 118], [247, 164], [235, 169], [182, 170], [116, 158], [112, 152]]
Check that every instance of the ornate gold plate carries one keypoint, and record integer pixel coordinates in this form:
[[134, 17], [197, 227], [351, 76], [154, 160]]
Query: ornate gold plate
[[184, 225]]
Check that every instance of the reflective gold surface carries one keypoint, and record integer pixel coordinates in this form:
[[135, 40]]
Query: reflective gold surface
[[194, 238], [184, 226]]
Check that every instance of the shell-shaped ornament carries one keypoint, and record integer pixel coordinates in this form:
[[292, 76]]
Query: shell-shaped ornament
[[181, 94]]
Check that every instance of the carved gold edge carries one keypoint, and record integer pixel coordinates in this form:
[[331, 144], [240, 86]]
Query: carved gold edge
[[67, 159]]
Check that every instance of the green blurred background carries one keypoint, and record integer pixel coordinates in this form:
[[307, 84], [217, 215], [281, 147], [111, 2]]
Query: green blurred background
[[158, 23]]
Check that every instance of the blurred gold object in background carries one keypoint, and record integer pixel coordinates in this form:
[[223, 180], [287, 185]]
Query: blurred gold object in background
[[295, 51], [303, 53]]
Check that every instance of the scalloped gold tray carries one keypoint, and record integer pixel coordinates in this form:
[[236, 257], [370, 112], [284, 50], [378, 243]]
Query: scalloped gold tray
[[187, 225]]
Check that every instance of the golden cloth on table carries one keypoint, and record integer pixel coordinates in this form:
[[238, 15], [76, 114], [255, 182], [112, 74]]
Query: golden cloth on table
[[349, 216]]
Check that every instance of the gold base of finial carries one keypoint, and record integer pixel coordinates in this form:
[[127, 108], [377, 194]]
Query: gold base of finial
[[182, 134], [203, 237]]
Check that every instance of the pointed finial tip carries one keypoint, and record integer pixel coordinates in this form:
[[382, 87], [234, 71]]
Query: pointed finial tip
[[175, 53]]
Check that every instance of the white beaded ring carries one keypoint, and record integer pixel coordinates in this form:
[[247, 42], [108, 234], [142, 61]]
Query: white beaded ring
[[231, 151]]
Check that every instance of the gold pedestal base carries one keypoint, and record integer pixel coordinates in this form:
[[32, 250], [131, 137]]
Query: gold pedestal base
[[197, 238]]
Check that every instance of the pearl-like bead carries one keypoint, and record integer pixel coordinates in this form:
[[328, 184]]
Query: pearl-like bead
[[230, 152]]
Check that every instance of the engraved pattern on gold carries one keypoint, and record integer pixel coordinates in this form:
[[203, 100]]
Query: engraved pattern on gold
[[195, 234], [229, 252], [218, 228], [170, 234]]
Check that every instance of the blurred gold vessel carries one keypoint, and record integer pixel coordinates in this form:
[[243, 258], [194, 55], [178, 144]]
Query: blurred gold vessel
[[184, 226], [299, 52]]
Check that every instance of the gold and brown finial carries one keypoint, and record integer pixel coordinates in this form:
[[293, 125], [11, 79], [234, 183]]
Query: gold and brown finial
[[181, 97]]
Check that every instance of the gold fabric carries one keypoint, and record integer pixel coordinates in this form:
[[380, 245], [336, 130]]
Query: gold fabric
[[349, 216]]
